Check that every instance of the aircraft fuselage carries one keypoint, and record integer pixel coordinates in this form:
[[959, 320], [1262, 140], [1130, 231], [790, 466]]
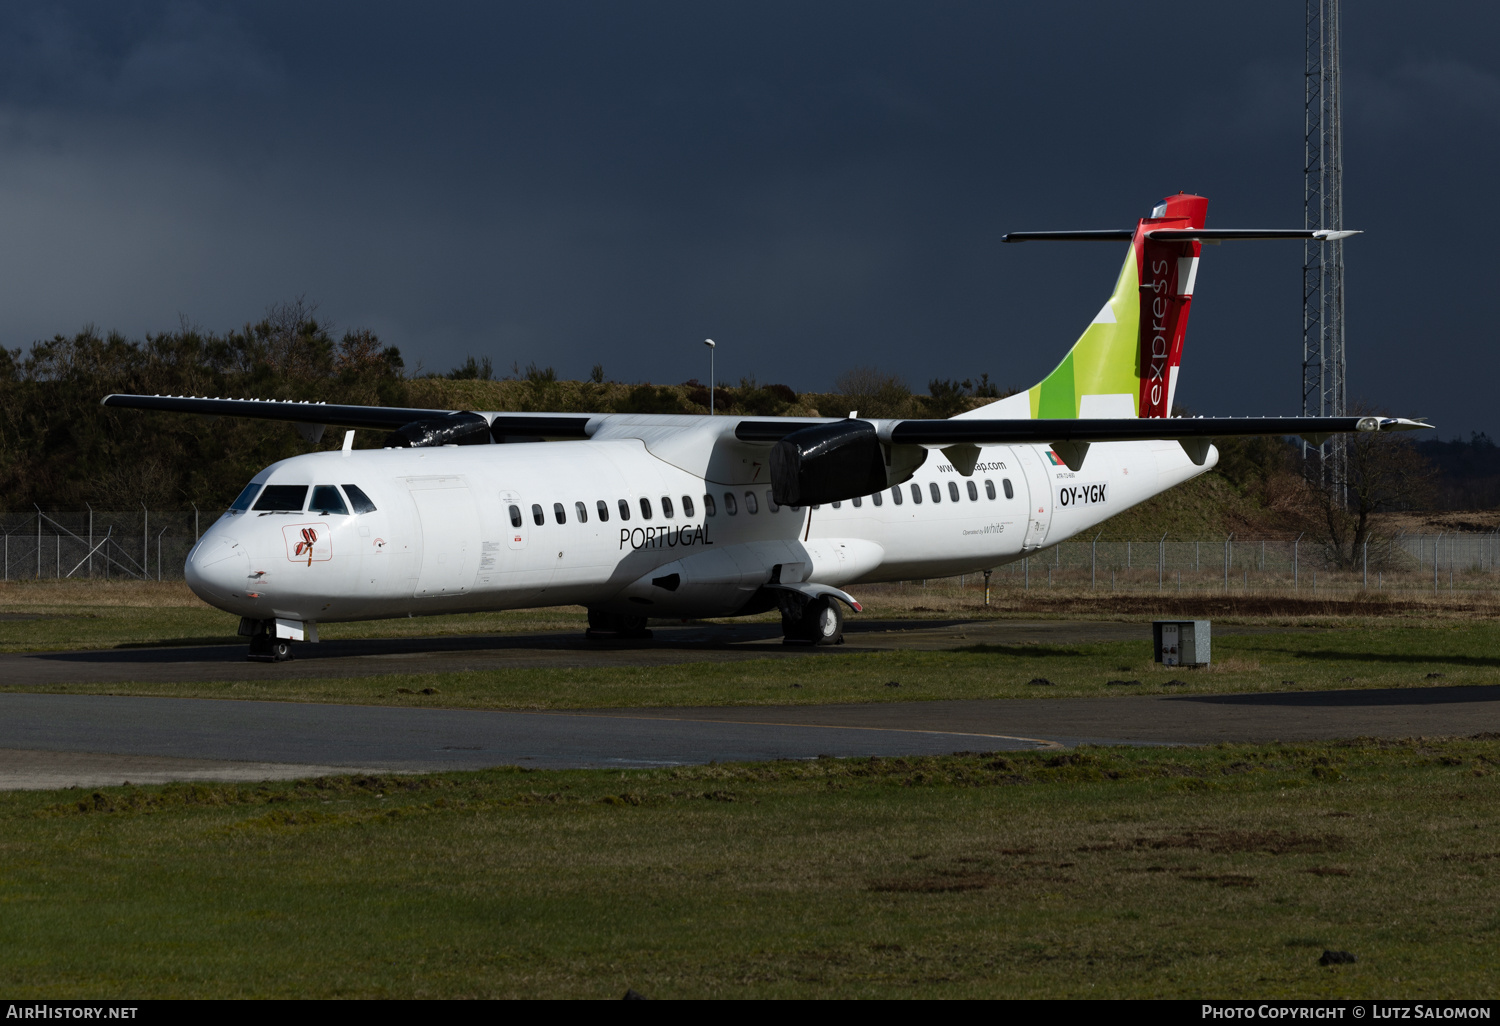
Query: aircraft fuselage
[[609, 525]]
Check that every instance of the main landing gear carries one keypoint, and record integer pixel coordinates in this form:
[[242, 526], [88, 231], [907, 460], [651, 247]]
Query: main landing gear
[[810, 621], [608, 626], [265, 646]]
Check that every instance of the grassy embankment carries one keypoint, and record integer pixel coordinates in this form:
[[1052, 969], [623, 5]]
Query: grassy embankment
[[1405, 645], [1221, 871]]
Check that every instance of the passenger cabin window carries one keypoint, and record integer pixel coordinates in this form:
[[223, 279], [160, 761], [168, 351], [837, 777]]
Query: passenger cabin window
[[916, 493], [989, 488], [687, 506], [666, 506], [973, 492], [515, 516], [645, 508], [326, 499], [1010, 493], [358, 499], [582, 511], [771, 502], [896, 495], [953, 490], [750, 506], [877, 499], [282, 499], [937, 493], [603, 508], [560, 514], [537, 515], [624, 510], [246, 498], [729, 506], [709, 509]]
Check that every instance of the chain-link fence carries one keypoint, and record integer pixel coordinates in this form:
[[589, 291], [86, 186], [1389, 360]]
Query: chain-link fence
[[1406, 562], [137, 544], [153, 544]]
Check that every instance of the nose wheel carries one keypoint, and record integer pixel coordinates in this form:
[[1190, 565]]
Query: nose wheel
[[265, 647]]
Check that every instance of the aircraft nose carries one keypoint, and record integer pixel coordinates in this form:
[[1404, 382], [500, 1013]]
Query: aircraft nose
[[217, 570]]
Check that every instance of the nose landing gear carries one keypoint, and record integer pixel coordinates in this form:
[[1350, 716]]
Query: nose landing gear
[[265, 646]]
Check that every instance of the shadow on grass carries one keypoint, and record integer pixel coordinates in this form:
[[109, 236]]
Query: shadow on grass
[[1022, 651], [1356, 697], [1400, 658], [224, 639]]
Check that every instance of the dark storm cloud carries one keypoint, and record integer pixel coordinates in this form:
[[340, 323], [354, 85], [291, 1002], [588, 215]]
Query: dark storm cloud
[[814, 186]]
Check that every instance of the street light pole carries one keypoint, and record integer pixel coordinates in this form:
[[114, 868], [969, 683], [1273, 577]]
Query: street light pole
[[711, 347]]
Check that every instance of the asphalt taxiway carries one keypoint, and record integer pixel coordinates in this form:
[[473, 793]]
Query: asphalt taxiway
[[60, 740]]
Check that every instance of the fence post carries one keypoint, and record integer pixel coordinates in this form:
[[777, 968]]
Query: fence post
[[1367, 564], [987, 587], [1227, 542], [1161, 562], [145, 539], [1296, 583], [1435, 543], [1026, 566], [91, 539], [1094, 561], [196, 533]]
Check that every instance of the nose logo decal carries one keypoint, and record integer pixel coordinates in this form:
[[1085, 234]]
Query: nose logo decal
[[309, 543]]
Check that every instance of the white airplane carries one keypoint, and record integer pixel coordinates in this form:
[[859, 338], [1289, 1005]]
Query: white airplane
[[642, 516]]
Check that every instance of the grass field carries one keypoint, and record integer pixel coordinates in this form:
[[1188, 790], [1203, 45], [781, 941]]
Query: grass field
[[1401, 648], [1101, 872]]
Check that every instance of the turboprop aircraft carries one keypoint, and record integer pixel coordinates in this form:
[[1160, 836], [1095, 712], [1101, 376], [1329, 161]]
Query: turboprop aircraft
[[641, 516]]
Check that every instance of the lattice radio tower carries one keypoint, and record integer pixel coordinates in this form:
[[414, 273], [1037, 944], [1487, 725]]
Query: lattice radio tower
[[1323, 365]]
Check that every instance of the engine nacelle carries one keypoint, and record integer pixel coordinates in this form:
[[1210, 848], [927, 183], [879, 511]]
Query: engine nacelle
[[826, 463], [455, 429]]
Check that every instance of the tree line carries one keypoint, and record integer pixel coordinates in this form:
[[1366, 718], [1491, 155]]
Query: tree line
[[60, 449]]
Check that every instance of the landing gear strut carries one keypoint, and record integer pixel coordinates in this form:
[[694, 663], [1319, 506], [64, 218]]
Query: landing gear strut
[[265, 646], [815, 621], [605, 625]]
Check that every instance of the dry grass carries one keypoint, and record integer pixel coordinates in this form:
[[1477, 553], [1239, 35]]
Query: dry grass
[[47, 595]]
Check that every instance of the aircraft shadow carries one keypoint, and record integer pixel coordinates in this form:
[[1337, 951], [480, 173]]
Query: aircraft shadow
[[740, 638]]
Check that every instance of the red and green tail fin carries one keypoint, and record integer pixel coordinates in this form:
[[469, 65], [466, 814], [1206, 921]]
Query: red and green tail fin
[[1125, 363]]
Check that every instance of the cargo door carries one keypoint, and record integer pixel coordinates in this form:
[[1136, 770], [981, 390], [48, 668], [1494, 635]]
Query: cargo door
[[1038, 474], [450, 536]]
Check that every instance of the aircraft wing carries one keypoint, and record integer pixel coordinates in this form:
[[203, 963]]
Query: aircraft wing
[[939, 434], [412, 426]]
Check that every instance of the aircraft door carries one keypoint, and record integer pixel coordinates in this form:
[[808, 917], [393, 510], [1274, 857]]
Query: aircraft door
[[1032, 459], [450, 536]]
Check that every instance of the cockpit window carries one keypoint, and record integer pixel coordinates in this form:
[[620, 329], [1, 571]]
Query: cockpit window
[[246, 497], [281, 499], [358, 499], [326, 499]]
